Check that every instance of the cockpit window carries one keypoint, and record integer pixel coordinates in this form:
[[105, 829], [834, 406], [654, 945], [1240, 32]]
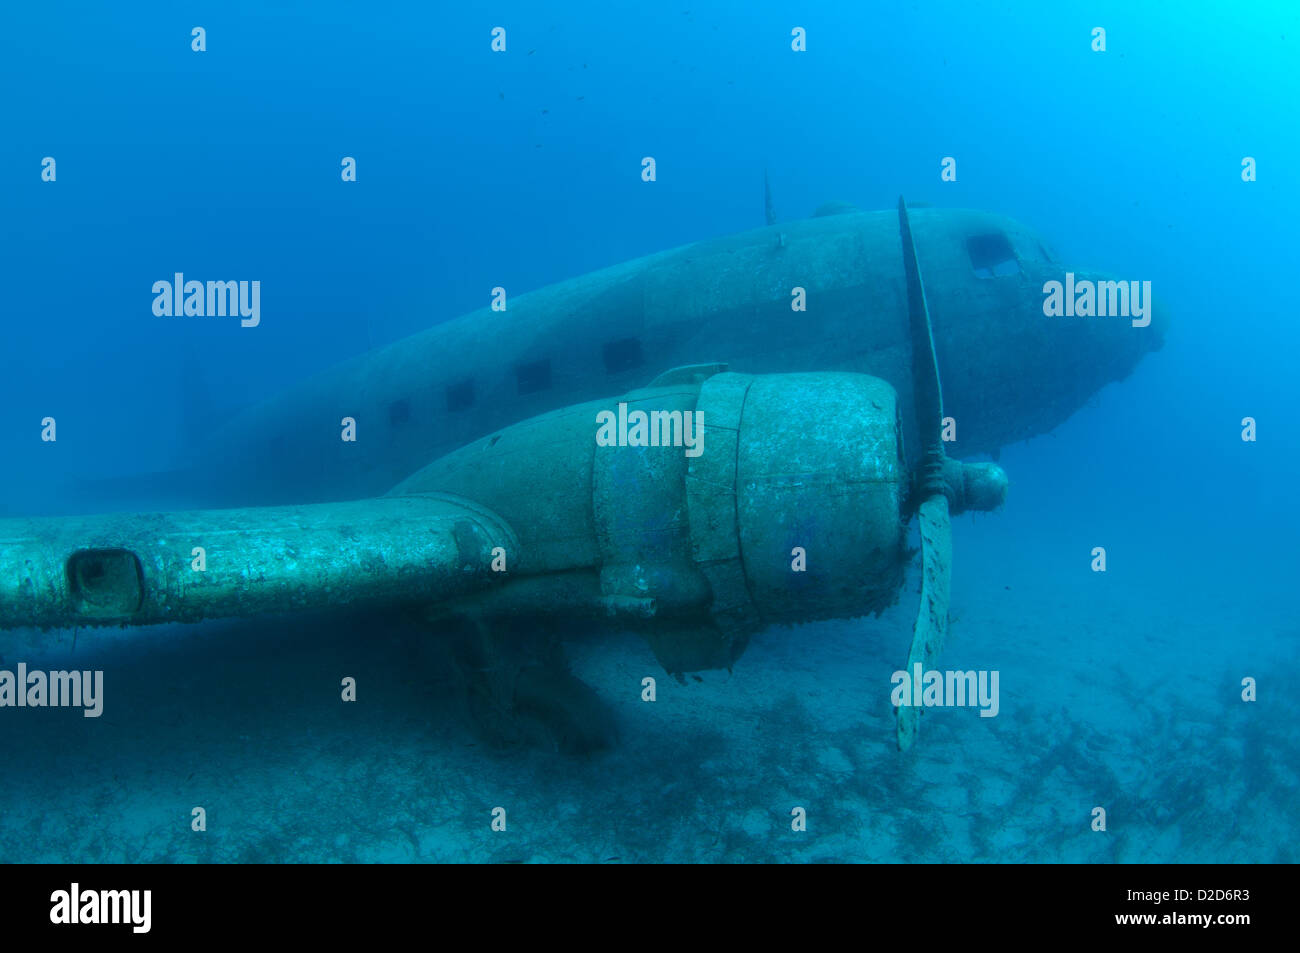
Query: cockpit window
[[992, 256]]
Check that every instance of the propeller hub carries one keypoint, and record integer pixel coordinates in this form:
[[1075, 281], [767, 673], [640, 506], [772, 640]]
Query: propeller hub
[[976, 486]]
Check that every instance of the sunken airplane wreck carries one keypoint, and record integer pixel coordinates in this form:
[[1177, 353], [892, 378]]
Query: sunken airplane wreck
[[824, 433]]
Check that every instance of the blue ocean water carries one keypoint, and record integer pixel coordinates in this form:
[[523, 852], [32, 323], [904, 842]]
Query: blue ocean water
[[1121, 690]]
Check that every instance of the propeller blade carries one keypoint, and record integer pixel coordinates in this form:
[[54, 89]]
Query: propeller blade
[[927, 392], [931, 627]]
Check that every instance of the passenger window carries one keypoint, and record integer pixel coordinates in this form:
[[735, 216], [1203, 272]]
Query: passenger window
[[533, 377], [622, 355], [460, 396]]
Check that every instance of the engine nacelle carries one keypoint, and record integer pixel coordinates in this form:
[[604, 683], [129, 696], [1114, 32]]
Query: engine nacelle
[[787, 506]]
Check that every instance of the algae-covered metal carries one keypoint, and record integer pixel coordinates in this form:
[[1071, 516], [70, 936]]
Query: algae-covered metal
[[757, 499], [146, 569]]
